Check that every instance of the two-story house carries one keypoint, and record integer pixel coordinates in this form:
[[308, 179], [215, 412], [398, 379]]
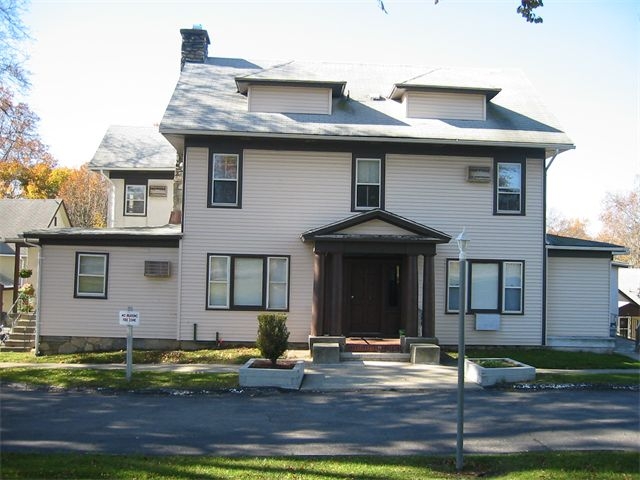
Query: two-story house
[[140, 165], [332, 192]]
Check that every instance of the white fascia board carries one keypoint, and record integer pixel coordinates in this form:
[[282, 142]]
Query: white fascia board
[[614, 251]]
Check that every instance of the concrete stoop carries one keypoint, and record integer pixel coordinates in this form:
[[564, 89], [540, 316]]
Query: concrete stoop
[[375, 356]]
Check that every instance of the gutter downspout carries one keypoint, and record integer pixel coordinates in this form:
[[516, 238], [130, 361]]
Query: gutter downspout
[[38, 280], [545, 253], [111, 211]]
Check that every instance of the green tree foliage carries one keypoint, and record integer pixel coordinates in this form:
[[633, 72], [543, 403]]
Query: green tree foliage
[[526, 9], [26, 166], [273, 335]]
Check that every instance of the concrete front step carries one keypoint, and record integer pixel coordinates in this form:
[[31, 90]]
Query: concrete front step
[[375, 356], [6, 348]]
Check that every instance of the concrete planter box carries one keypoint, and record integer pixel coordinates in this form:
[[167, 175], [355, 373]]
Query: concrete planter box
[[488, 376], [290, 379]]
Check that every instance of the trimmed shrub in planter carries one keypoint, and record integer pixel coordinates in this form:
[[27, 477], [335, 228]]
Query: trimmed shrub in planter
[[273, 335]]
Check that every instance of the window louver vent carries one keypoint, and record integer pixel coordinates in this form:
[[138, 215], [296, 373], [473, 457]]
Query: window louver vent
[[155, 268]]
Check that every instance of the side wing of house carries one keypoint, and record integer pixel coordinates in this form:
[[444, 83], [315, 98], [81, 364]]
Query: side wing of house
[[86, 280], [580, 305], [140, 165]]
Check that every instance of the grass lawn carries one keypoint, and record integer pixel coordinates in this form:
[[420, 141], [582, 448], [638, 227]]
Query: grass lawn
[[116, 379], [524, 466], [232, 355]]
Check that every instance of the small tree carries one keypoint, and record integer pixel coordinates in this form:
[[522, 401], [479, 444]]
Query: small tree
[[273, 335]]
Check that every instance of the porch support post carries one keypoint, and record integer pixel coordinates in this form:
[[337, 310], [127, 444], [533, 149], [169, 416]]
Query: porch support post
[[16, 274], [409, 284], [336, 289], [317, 306], [428, 297]]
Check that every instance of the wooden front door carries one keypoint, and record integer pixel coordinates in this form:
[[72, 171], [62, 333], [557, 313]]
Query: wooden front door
[[372, 291]]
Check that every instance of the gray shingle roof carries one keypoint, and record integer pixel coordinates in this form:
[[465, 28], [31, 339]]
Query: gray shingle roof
[[560, 242], [206, 101], [125, 148], [20, 214]]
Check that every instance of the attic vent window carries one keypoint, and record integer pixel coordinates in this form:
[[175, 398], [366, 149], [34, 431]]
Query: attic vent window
[[157, 268], [477, 174]]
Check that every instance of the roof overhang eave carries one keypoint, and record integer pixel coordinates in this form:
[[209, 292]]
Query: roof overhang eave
[[178, 133], [612, 250]]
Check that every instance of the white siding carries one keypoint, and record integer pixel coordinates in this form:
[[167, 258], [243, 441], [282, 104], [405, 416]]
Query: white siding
[[158, 208], [155, 298], [289, 99], [376, 227], [283, 195], [453, 106], [287, 193], [578, 297], [433, 190]]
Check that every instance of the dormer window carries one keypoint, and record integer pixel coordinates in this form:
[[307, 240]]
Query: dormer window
[[286, 99], [269, 94], [444, 103]]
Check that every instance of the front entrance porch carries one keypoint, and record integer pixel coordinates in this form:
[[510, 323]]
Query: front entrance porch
[[366, 277]]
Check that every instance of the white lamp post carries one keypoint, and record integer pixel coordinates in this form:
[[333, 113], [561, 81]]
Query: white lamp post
[[463, 241]]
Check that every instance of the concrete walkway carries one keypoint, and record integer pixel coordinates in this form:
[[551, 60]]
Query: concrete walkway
[[345, 376]]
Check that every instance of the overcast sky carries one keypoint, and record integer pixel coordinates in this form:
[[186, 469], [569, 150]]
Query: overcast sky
[[116, 62]]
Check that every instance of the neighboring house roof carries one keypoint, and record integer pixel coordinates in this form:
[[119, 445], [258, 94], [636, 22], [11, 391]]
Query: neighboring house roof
[[140, 148], [557, 242], [166, 235], [22, 214], [208, 100], [629, 284]]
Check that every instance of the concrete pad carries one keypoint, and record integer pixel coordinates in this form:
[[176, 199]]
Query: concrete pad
[[425, 353], [324, 353]]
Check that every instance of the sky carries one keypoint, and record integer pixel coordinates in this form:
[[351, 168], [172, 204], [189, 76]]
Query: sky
[[96, 63]]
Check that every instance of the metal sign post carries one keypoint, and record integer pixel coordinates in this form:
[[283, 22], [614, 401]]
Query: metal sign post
[[129, 318]]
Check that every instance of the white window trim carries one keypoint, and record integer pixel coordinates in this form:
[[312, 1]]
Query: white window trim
[[521, 287], [498, 189], [143, 200], [229, 305], [214, 180], [285, 283], [227, 282], [501, 282], [103, 294], [357, 184]]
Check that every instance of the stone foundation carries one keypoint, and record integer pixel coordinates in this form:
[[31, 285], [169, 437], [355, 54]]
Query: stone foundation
[[61, 345]]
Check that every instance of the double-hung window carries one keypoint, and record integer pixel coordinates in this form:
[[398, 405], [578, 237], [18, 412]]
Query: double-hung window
[[91, 275], [509, 188], [225, 180], [135, 200], [247, 282], [368, 188], [493, 286]]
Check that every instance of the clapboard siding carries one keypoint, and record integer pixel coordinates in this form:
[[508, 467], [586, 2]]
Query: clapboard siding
[[278, 99], [578, 302], [158, 208], [287, 193], [433, 190], [452, 106], [155, 298], [376, 227], [283, 195]]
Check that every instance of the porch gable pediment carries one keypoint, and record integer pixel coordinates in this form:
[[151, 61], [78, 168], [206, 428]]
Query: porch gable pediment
[[378, 226]]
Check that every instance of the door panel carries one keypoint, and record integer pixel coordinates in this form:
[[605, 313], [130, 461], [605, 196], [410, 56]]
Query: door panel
[[372, 291]]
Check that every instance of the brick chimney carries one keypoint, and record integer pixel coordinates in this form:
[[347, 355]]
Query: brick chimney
[[195, 45]]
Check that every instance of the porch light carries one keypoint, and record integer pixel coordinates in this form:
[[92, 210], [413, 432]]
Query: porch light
[[463, 242]]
